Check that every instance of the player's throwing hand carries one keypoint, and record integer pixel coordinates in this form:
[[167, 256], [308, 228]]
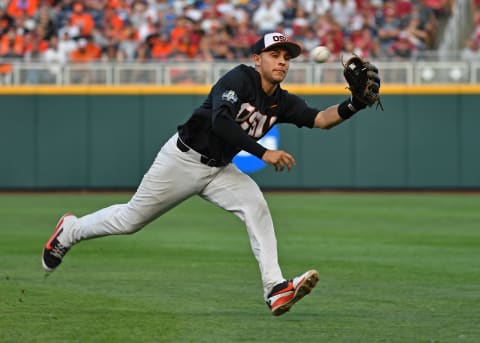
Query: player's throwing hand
[[279, 159]]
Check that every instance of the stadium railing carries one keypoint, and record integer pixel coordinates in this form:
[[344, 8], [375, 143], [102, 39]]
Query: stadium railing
[[169, 73]]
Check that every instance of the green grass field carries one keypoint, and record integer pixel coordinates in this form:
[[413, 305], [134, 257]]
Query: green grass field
[[393, 268]]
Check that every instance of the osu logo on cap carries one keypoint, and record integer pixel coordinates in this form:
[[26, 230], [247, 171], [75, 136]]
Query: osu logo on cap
[[279, 38]]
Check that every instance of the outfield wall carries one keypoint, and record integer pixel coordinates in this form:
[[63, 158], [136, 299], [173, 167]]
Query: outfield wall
[[83, 137]]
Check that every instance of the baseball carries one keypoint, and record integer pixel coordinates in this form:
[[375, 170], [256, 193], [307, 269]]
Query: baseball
[[320, 54]]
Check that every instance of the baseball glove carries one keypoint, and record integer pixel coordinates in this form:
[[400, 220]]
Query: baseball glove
[[363, 81]]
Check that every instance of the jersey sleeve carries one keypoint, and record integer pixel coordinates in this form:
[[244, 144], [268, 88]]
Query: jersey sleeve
[[229, 92], [227, 95], [298, 112]]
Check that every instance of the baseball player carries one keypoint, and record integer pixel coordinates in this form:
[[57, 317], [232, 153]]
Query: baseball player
[[240, 108]]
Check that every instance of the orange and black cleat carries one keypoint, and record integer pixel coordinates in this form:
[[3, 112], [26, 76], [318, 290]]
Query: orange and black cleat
[[284, 295], [54, 251]]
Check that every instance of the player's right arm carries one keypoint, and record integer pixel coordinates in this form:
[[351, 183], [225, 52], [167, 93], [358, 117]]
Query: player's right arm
[[226, 128], [279, 159]]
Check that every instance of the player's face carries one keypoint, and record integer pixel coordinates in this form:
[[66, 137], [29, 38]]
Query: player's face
[[273, 65]]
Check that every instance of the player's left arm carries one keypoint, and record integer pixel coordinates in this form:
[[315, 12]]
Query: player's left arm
[[328, 118], [336, 114], [298, 112], [364, 84]]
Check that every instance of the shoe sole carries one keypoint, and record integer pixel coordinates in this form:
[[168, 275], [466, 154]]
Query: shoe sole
[[303, 289], [52, 237]]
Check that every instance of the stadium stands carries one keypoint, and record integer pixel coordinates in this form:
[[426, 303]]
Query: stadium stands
[[192, 30], [67, 34]]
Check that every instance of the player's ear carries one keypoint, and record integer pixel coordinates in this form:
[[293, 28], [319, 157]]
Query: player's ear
[[257, 59]]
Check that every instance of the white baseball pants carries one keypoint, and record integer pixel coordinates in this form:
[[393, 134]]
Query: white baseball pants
[[175, 176]]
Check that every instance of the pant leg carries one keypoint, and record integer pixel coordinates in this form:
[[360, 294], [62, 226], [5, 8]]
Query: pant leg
[[173, 177], [236, 192]]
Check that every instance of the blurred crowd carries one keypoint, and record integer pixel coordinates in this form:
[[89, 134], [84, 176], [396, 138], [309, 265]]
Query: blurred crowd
[[471, 51], [79, 31]]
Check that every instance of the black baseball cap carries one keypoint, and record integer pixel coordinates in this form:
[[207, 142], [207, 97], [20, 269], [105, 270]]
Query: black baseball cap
[[273, 40]]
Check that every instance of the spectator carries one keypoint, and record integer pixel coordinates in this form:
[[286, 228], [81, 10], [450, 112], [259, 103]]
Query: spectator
[[129, 42], [221, 49], [11, 44], [34, 42], [309, 41], [55, 60], [112, 22], [343, 11], [427, 22], [81, 19], [363, 43], [240, 14], [441, 8], [182, 27], [180, 5], [324, 24], [34, 75], [191, 12], [66, 45], [159, 6], [45, 21], [402, 48], [224, 8], [331, 35], [300, 23], [6, 21], [162, 47], [210, 22], [18, 8], [94, 49], [142, 53], [168, 17], [24, 24], [148, 28], [416, 34], [316, 7], [84, 53], [122, 8], [61, 11], [471, 51], [111, 52], [140, 13], [249, 6], [185, 48], [97, 8], [5, 72], [403, 8], [389, 31], [216, 45], [53, 54], [290, 12], [245, 37], [365, 16], [267, 17]]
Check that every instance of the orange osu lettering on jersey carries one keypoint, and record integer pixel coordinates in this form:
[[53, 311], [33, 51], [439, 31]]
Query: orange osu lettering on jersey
[[255, 123]]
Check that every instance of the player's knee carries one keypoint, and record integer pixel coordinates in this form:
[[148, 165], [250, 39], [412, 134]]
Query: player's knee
[[258, 207], [130, 222], [130, 230], [128, 227]]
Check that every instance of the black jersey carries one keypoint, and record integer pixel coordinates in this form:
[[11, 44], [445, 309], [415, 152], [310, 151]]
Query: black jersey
[[239, 96]]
